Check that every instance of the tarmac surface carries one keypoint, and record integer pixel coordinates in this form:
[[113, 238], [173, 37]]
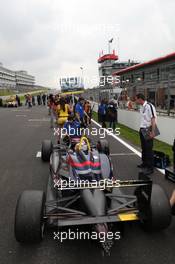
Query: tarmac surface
[[21, 133]]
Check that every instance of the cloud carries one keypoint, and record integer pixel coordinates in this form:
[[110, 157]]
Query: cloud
[[51, 39]]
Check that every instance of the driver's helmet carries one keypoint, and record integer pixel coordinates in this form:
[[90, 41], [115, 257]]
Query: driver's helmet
[[84, 146]]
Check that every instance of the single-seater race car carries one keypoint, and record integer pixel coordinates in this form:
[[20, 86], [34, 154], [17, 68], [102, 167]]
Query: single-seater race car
[[10, 102], [82, 190]]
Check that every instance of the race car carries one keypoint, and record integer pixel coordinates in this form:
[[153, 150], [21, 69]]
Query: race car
[[82, 190], [11, 102]]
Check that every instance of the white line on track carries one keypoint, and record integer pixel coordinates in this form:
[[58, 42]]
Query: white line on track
[[22, 110], [123, 154], [21, 115], [138, 153], [39, 120], [38, 154]]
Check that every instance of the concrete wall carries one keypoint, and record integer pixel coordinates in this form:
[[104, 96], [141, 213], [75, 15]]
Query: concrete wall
[[131, 119], [166, 125]]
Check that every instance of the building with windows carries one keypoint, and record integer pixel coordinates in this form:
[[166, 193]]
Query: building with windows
[[15, 80], [155, 79], [24, 80], [7, 78]]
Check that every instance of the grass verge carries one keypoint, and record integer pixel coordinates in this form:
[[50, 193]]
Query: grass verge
[[132, 136], [5, 92]]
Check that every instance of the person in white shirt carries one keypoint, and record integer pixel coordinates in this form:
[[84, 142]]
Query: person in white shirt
[[147, 133]]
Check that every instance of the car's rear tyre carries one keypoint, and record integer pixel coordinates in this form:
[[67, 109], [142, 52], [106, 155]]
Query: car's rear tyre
[[46, 150], [158, 215], [103, 146], [29, 224]]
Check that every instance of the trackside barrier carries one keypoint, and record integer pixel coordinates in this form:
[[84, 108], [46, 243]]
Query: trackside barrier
[[132, 119]]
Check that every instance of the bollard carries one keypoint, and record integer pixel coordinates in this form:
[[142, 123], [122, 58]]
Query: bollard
[[170, 172]]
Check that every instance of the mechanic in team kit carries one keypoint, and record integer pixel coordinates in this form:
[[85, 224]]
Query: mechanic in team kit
[[80, 112], [102, 111]]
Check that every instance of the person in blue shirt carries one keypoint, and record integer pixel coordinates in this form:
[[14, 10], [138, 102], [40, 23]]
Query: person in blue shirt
[[80, 112]]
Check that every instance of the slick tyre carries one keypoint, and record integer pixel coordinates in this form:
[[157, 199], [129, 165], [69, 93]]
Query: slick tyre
[[46, 150], [29, 224], [158, 215]]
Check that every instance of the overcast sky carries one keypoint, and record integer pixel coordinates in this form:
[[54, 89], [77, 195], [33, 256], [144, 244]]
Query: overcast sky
[[54, 38]]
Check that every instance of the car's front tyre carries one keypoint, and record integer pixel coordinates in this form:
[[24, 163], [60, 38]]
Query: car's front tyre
[[46, 150]]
